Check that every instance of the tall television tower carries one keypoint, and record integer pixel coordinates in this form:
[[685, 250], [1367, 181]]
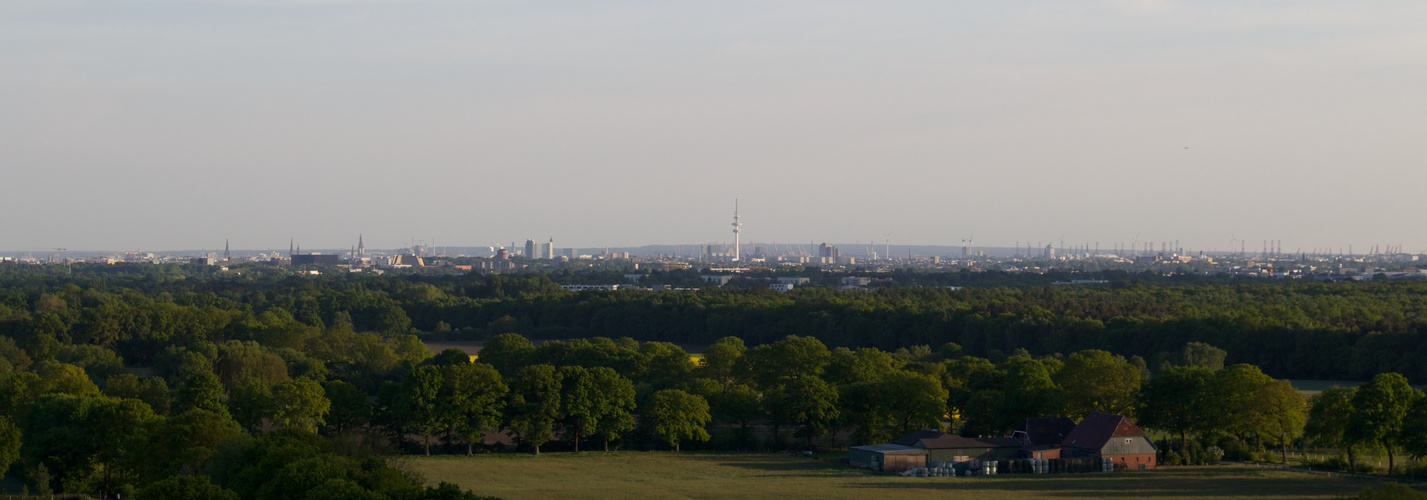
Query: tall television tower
[[736, 226]]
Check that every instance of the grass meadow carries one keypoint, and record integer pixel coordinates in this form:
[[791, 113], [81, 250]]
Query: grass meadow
[[730, 475]]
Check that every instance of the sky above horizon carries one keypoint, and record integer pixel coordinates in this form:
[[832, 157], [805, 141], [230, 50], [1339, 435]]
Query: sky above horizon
[[175, 124]]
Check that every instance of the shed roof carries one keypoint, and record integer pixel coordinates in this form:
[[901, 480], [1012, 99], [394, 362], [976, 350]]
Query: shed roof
[[1097, 429], [937, 440], [1046, 430]]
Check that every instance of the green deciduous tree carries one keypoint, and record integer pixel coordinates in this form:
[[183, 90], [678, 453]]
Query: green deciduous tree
[[181, 487], [579, 404], [10, 439], [1028, 391], [674, 416], [806, 401], [299, 403], [1380, 407], [1279, 410], [534, 404], [199, 390], [475, 398], [1414, 427], [1096, 380], [182, 443], [350, 407], [419, 401], [1328, 416], [913, 400], [615, 398], [250, 401], [1176, 401], [720, 360], [506, 352], [1232, 407]]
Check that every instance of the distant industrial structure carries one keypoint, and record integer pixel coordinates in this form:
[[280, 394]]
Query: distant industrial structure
[[737, 228]]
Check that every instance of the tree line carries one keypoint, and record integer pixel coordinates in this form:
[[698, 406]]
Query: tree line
[[1337, 331], [244, 419]]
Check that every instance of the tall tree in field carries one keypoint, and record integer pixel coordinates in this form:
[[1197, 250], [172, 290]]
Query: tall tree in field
[[419, 401], [476, 397], [675, 415], [1232, 405], [1414, 428], [1328, 415], [1096, 380], [1174, 401], [615, 398], [1278, 408], [1381, 406], [534, 404], [580, 405]]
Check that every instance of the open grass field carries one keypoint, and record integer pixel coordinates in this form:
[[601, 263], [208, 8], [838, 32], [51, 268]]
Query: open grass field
[[727, 475]]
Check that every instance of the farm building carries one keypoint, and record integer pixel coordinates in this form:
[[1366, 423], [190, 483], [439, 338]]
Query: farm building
[[1106, 435], [943, 447], [887, 457]]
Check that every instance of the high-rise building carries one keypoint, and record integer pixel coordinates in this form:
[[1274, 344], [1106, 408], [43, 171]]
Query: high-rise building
[[543, 250], [530, 249]]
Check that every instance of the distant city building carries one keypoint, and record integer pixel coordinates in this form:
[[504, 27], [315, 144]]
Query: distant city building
[[315, 259], [856, 281], [781, 287], [582, 288], [407, 260], [542, 250], [498, 265], [717, 279], [202, 261], [795, 280]]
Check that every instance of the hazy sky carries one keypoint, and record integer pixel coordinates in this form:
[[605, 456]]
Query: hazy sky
[[175, 124]]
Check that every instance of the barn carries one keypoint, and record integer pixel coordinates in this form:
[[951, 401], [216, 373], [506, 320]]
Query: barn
[[1106, 435], [887, 457]]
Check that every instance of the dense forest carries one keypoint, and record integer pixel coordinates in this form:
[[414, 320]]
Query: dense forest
[[270, 385], [1291, 329]]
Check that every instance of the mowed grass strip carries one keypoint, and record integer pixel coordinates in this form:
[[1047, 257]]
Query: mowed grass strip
[[728, 475]]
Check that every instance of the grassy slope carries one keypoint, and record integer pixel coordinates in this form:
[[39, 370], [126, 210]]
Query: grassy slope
[[710, 475]]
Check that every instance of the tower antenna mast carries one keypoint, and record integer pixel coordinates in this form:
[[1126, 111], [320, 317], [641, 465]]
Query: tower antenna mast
[[736, 229]]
